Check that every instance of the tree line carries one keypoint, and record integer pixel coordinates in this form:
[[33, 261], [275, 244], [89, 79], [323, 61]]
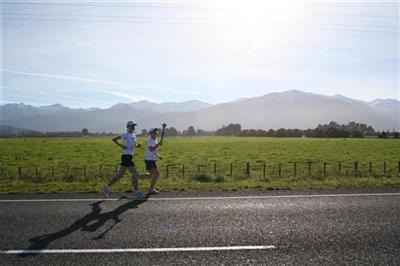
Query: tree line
[[330, 130]]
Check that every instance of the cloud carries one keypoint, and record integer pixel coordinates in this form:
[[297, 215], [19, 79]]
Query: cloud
[[66, 77], [130, 96], [108, 82]]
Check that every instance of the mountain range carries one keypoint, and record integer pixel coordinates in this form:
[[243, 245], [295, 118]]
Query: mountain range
[[289, 109]]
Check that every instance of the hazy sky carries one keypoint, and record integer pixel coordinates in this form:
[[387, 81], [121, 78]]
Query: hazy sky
[[94, 53]]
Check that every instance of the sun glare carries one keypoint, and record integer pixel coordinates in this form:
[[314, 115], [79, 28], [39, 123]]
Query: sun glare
[[258, 27], [258, 20], [254, 11]]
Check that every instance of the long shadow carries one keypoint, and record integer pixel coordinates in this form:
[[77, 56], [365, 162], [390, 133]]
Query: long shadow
[[91, 222]]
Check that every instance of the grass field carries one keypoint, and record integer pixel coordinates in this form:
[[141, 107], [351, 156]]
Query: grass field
[[71, 164]]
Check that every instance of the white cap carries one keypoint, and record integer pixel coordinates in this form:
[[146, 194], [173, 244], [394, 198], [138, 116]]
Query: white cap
[[130, 123]]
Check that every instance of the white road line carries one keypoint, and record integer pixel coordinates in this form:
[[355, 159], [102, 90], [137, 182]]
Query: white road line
[[210, 198], [134, 250]]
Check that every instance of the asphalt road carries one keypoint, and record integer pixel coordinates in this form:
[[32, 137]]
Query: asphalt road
[[336, 227]]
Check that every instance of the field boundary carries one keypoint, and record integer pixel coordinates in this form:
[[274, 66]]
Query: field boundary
[[258, 169]]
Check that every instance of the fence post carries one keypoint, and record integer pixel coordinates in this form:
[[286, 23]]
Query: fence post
[[398, 172], [384, 168], [370, 168], [183, 171], [101, 168], [339, 168], [264, 169], [232, 169], [309, 168], [294, 170], [19, 171], [356, 169], [248, 169], [279, 169], [325, 163], [36, 172], [215, 169]]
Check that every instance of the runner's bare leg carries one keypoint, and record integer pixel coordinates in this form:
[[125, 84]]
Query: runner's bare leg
[[135, 177], [154, 174], [121, 172]]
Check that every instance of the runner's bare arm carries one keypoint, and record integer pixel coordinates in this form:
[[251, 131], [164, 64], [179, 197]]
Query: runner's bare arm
[[153, 148], [115, 140], [163, 125]]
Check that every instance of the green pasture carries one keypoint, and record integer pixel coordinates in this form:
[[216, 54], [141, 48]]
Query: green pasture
[[201, 163]]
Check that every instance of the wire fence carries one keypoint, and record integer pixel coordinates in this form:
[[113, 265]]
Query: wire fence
[[211, 171]]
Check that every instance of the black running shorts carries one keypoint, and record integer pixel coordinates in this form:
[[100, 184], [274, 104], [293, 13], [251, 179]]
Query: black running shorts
[[150, 165], [126, 160]]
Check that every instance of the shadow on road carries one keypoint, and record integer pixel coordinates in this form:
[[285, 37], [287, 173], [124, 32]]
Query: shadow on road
[[91, 222]]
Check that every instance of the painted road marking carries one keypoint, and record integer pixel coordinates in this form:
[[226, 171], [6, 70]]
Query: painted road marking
[[134, 250], [206, 198]]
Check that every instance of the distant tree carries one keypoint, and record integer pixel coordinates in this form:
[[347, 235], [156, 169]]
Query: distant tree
[[249, 133], [270, 133], [230, 130], [309, 133], [244, 133], [289, 133], [295, 133], [369, 131], [280, 133], [357, 134], [85, 132], [171, 132], [319, 133], [144, 132], [382, 135], [261, 133], [335, 130], [191, 131]]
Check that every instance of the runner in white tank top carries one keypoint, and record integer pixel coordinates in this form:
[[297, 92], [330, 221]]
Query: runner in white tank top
[[151, 158], [128, 146]]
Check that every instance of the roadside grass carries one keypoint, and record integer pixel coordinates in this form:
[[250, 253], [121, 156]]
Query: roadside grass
[[124, 185]]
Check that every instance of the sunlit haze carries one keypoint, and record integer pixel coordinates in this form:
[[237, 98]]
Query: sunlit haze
[[84, 54]]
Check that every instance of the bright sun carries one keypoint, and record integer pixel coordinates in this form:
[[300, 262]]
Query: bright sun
[[256, 20]]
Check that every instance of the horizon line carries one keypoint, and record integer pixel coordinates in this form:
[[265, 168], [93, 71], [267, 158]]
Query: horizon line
[[212, 104]]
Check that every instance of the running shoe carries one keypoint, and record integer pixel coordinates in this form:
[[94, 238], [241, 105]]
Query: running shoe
[[105, 191], [153, 191], [138, 195]]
